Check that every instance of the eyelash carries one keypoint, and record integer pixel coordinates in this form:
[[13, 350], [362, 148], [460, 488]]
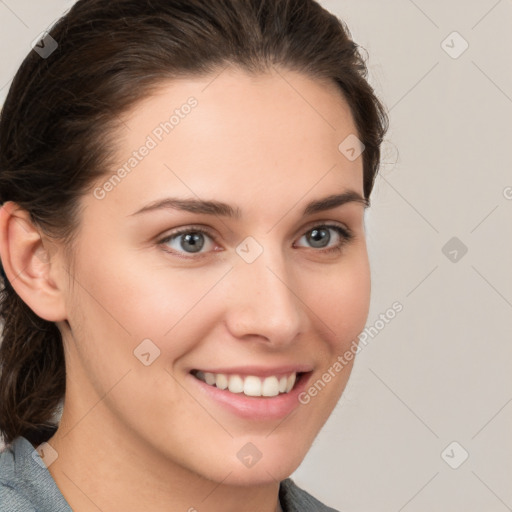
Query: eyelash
[[345, 234]]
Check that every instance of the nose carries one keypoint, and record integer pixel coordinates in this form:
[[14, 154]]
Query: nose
[[263, 301]]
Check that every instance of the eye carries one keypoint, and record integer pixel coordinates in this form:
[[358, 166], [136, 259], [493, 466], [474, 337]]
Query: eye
[[320, 237], [192, 240], [189, 241]]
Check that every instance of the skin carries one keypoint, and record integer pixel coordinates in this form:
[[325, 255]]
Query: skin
[[254, 143]]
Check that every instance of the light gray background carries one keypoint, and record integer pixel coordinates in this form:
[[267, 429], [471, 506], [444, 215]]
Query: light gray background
[[440, 370]]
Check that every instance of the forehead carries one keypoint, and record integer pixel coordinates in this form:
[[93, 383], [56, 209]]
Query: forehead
[[232, 134]]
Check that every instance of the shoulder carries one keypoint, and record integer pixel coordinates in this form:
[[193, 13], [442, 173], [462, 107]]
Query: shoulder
[[11, 498], [295, 499], [25, 482]]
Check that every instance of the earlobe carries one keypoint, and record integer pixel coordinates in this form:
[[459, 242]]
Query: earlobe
[[28, 265]]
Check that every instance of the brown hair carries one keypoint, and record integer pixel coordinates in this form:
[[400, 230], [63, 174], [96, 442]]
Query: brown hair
[[58, 123]]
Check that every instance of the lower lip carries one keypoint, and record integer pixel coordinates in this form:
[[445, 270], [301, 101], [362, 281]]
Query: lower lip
[[255, 408]]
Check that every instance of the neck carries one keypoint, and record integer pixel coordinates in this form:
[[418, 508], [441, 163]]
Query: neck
[[99, 468]]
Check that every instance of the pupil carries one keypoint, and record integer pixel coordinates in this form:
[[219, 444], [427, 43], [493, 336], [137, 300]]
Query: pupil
[[195, 242], [319, 237]]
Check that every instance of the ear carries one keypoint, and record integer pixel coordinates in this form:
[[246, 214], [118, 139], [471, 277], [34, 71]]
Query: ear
[[27, 264]]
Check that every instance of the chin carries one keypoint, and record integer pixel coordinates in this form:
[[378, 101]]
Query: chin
[[268, 466], [259, 474]]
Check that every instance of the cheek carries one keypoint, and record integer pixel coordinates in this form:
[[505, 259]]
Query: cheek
[[117, 306], [126, 299], [342, 302]]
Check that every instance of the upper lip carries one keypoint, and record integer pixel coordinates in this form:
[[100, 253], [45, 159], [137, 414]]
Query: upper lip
[[259, 371]]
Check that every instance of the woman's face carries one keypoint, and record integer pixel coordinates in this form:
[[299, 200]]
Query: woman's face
[[265, 286]]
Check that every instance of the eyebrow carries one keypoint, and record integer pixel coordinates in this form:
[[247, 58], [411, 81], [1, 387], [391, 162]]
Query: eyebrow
[[226, 210]]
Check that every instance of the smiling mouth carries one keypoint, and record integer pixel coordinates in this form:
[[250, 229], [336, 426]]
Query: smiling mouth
[[251, 385]]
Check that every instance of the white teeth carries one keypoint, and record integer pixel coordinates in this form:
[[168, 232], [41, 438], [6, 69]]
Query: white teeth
[[270, 387], [236, 384], [209, 378], [250, 385], [291, 382], [221, 381], [282, 384]]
